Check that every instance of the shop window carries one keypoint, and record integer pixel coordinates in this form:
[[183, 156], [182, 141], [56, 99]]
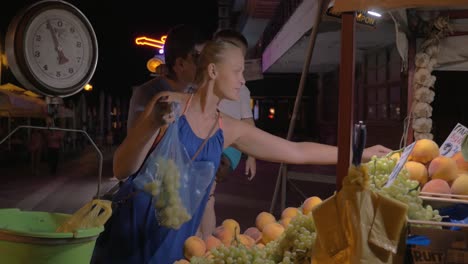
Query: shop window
[[382, 85]]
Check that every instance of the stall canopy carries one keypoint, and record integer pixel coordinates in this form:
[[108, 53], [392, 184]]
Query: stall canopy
[[384, 5], [18, 102]]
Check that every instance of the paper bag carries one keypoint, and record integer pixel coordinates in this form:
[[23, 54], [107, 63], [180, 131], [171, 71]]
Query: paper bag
[[357, 225]]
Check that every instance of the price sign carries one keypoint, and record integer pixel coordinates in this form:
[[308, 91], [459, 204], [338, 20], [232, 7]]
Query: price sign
[[453, 142], [401, 162]]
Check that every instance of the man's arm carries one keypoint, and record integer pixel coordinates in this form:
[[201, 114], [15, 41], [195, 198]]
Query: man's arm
[[247, 117], [136, 106], [141, 96]]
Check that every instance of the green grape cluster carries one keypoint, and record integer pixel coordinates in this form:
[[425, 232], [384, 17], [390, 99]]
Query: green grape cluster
[[402, 189], [170, 210], [234, 254], [294, 246], [297, 242]]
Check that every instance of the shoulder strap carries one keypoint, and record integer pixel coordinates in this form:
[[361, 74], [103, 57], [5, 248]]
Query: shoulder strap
[[187, 104], [207, 137]]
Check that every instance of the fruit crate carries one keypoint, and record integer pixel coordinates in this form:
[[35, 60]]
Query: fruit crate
[[440, 242]]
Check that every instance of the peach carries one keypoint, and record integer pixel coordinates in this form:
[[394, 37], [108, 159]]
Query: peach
[[436, 186], [246, 240], [417, 171], [194, 247], [182, 261], [263, 219], [254, 233], [443, 168], [271, 232], [225, 235], [462, 164], [460, 185], [424, 151], [212, 242], [232, 225], [260, 245], [289, 212], [396, 156], [310, 203], [285, 221]]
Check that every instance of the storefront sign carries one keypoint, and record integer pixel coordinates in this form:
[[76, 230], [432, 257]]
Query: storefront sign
[[157, 43], [361, 17], [453, 142]]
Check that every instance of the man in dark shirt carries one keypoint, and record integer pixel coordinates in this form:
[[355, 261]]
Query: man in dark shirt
[[183, 45]]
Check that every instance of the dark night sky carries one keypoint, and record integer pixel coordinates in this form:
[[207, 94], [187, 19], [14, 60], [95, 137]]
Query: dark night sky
[[122, 64]]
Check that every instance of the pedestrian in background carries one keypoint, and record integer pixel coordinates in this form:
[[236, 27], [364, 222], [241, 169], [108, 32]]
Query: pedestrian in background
[[36, 145]]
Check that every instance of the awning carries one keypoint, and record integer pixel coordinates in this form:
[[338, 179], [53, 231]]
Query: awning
[[383, 5], [18, 102], [14, 102]]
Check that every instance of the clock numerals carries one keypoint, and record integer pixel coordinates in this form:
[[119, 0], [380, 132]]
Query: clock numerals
[[78, 59], [58, 74], [59, 23], [37, 54], [78, 44], [38, 38], [45, 67], [70, 70], [72, 30]]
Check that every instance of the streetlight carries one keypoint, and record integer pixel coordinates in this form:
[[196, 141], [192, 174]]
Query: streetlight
[[153, 63], [88, 87]]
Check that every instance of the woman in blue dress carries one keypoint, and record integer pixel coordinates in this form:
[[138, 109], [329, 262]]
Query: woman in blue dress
[[132, 234]]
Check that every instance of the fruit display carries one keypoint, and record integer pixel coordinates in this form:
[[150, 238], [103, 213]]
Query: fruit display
[[293, 237], [425, 171], [286, 240], [436, 173]]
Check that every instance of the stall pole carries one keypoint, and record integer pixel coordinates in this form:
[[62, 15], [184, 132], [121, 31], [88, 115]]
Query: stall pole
[[411, 68], [282, 173], [345, 95]]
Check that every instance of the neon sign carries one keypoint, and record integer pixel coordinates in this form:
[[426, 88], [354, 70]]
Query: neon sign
[[157, 43]]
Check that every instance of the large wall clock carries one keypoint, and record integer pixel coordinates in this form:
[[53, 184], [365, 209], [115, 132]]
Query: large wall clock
[[51, 48]]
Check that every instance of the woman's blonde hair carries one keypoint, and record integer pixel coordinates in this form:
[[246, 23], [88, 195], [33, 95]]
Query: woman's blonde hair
[[212, 53]]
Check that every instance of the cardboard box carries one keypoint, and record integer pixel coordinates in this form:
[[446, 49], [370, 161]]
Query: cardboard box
[[446, 246]]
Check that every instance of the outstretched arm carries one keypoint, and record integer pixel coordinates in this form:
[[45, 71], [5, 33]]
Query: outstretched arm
[[263, 145]]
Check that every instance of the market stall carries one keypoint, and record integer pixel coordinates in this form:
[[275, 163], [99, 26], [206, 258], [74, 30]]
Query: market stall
[[415, 185]]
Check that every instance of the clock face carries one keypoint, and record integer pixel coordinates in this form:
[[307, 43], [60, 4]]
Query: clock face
[[58, 48], [51, 48]]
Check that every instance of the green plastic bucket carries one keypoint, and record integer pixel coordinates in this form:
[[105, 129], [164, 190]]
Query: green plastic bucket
[[30, 237]]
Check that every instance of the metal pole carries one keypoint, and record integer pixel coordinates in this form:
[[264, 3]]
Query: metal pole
[[98, 194], [281, 179]]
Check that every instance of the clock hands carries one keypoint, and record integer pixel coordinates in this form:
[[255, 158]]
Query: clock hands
[[61, 56]]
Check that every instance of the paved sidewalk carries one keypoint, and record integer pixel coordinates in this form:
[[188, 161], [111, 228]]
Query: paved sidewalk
[[74, 184]]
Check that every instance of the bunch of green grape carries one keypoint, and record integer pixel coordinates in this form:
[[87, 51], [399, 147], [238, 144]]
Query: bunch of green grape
[[295, 245], [170, 210], [236, 253], [402, 189]]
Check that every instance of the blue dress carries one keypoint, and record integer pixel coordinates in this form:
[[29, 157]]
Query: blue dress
[[133, 235]]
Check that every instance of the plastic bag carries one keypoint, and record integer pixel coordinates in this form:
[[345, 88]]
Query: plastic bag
[[176, 183]]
